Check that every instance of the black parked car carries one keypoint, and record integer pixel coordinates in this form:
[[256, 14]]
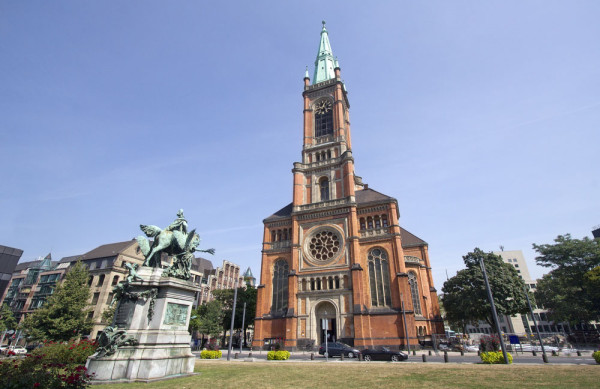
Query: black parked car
[[383, 354], [335, 349]]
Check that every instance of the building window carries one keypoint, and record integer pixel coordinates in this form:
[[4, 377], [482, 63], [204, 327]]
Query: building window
[[384, 220], [379, 278], [324, 186], [115, 280], [414, 291], [280, 286], [363, 226], [95, 298], [100, 280]]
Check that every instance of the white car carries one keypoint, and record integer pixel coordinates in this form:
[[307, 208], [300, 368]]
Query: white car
[[15, 350], [471, 349]]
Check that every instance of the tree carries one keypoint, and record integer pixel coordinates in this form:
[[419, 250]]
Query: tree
[[64, 316], [7, 319], [465, 297], [248, 296], [208, 319], [570, 291]]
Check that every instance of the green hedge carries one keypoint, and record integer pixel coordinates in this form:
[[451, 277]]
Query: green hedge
[[596, 356], [495, 357], [211, 354], [278, 355]]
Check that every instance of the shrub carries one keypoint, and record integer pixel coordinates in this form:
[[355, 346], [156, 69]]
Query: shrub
[[73, 352], [489, 343], [211, 354], [492, 357], [596, 356], [36, 372], [281, 355]]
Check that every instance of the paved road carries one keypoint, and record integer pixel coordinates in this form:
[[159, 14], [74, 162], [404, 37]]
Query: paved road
[[453, 357]]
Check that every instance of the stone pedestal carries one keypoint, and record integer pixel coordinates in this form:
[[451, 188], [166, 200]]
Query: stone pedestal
[[160, 325]]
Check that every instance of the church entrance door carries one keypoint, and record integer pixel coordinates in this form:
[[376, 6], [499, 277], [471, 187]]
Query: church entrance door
[[326, 322]]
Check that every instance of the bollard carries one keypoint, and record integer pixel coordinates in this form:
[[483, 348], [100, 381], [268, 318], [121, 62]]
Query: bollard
[[478, 353], [235, 356], [578, 353], [429, 352], [553, 353], [424, 358], [342, 357], [360, 357], [462, 353], [545, 358], [414, 352], [250, 354], [446, 356], [312, 356], [533, 353]]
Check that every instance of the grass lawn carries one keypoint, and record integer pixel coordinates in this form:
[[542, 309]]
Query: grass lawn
[[238, 374]]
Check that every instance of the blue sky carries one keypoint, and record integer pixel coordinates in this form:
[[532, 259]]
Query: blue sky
[[481, 118]]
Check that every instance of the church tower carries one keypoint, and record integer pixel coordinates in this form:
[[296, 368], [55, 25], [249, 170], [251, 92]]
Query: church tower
[[335, 262]]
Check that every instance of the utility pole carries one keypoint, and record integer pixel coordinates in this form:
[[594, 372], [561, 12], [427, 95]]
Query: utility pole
[[494, 314], [231, 328]]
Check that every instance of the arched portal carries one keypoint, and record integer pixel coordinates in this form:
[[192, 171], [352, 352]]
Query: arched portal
[[326, 313]]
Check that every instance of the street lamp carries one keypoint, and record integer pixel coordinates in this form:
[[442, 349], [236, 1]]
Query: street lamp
[[537, 330], [494, 314]]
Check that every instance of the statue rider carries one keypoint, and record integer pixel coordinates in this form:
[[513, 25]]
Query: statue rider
[[180, 224]]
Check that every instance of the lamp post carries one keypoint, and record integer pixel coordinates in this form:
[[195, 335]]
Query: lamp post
[[537, 330], [494, 314], [243, 337], [231, 328], [405, 327]]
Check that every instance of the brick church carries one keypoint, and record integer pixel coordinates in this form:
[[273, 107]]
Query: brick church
[[335, 262]]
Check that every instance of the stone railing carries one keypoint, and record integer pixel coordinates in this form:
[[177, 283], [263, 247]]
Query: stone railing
[[374, 232], [322, 204]]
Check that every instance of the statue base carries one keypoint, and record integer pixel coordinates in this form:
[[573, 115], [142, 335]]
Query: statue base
[[156, 313]]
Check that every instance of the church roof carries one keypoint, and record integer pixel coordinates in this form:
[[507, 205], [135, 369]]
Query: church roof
[[409, 239], [369, 195], [282, 213], [325, 62]]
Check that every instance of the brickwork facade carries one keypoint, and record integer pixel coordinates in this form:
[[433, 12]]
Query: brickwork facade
[[337, 257]]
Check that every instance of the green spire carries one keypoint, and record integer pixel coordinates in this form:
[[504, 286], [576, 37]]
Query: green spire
[[325, 63]]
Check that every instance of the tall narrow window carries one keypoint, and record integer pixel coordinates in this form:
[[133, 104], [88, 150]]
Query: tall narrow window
[[414, 291], [280, 286], [323, 118], [379, 278], [324, 185]]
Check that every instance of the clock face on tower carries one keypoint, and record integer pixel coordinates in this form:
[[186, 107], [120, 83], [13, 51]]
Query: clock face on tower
[[323, 106]]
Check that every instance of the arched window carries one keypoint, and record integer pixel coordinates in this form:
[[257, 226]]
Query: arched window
[[323, 118], [377, 222], [384, 220], [414, 291], [370, 223], [324, 186], [379, 278], [280, 286], [362, 223]]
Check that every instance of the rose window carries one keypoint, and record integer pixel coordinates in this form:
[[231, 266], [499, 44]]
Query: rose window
[[324, 245]]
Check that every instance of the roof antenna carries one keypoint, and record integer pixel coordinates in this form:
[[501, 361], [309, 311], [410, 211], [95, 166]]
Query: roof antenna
[[501, 248]]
